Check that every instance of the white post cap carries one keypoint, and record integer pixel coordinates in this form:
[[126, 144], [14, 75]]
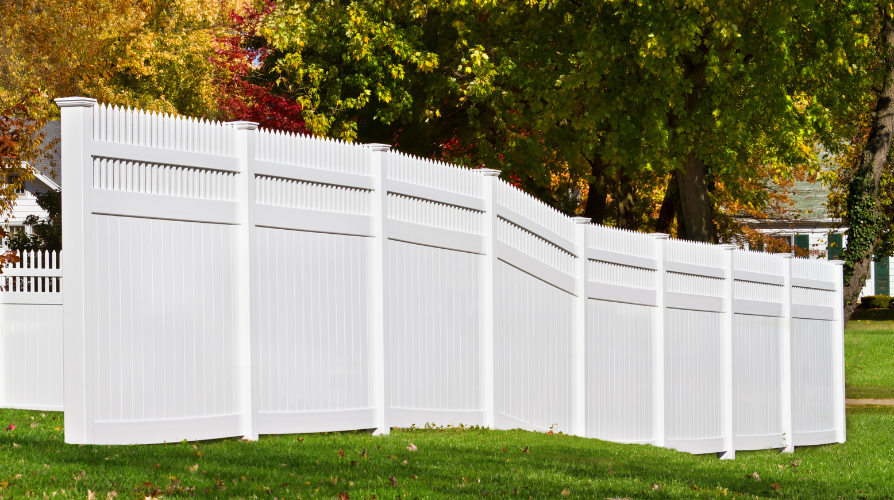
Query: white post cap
[[659, 236], [72, 102], [375, 146], [243, 125], [581, 220], [488, 172]]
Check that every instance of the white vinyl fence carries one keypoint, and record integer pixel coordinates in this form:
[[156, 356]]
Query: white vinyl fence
[[31, 333], [228, 281]]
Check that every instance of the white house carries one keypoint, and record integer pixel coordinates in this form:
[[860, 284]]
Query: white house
[[46, 177], [808, 225]]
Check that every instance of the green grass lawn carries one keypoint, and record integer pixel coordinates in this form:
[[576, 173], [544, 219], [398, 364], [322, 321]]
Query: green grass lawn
[[35, 463], [869, 354]]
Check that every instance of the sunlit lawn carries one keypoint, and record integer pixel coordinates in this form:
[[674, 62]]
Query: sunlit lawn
[[34, 462], [869, 354]]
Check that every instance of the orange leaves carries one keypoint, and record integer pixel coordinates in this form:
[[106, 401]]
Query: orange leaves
[[11, 427]]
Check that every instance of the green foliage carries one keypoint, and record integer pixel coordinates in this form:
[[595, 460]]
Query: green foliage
[[46, 234], [876, 301], [546, 89]]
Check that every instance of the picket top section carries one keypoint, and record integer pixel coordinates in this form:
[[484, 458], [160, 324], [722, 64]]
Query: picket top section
[[307, 151], [148, 129], [530, 208], [620, 241], [432, 174]]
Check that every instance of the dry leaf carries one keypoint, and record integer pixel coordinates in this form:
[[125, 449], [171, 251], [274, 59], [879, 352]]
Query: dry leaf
[[362, 453], [35, 425], [300, 439], [505, 450], [112, 494], [16, 445], [11, 427], [393, 481], [412, 447], [566, 491], [550, 433], [194, 468], [91, 495], [754, 476], [796, 463], [341, 453], [526, 449], [354, 462], [333, 480], [344, 496], [405, 462], [414, 476], [776, 485]]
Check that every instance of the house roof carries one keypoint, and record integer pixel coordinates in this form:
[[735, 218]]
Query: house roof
[[49, 168]]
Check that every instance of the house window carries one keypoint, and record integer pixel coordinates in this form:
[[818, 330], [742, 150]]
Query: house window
[[20, 189], [835, 246]]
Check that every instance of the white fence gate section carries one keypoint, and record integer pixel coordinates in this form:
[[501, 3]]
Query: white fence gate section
[[226, 281], [31, 333]]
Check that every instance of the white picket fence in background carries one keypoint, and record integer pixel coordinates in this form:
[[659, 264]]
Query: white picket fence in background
[[228, 281], [31, 332]]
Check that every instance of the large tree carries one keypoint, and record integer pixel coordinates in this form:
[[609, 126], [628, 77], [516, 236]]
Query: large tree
[[707, 94]]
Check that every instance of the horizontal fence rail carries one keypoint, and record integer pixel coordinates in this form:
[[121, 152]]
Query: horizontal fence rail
[[227, 281]]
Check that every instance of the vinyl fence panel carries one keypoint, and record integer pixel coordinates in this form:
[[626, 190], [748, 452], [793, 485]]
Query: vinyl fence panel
[[227, 281], [31, 333]]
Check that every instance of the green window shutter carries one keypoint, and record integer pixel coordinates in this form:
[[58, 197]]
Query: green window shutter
[[802, 241], [835, 247], [882, 275]]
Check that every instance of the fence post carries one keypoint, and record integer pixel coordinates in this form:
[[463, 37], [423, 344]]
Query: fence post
[[658, 433], [726, 349], [785, 355], [838, 393], [378, 350], [79, 285], [579, 340], [488, 295], [247, 339]]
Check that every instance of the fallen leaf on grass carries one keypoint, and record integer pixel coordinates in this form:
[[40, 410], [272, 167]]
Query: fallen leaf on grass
[[526, 449], [776, 485], [566, 491], [333, 480], [412, 447], [505, 450], [393, 481], [362, 453], [655, 487], [112, 494], [796, 463], [194, 468], [354, 462], [344, 496], [35, 425], [414, 476], [753, 476], [550, 433], [341, 453], [91, 495], [405, 462], [11, 427], [15, 445]]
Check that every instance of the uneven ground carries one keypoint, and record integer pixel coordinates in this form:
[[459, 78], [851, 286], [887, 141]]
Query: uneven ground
[[448, 464]]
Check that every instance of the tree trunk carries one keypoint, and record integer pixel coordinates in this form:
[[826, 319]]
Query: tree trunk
[[695, 202], [597, 197], [626, 199], [863, 214], [668, 206]]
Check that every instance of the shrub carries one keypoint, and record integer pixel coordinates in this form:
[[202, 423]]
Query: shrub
[[876, 301]]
